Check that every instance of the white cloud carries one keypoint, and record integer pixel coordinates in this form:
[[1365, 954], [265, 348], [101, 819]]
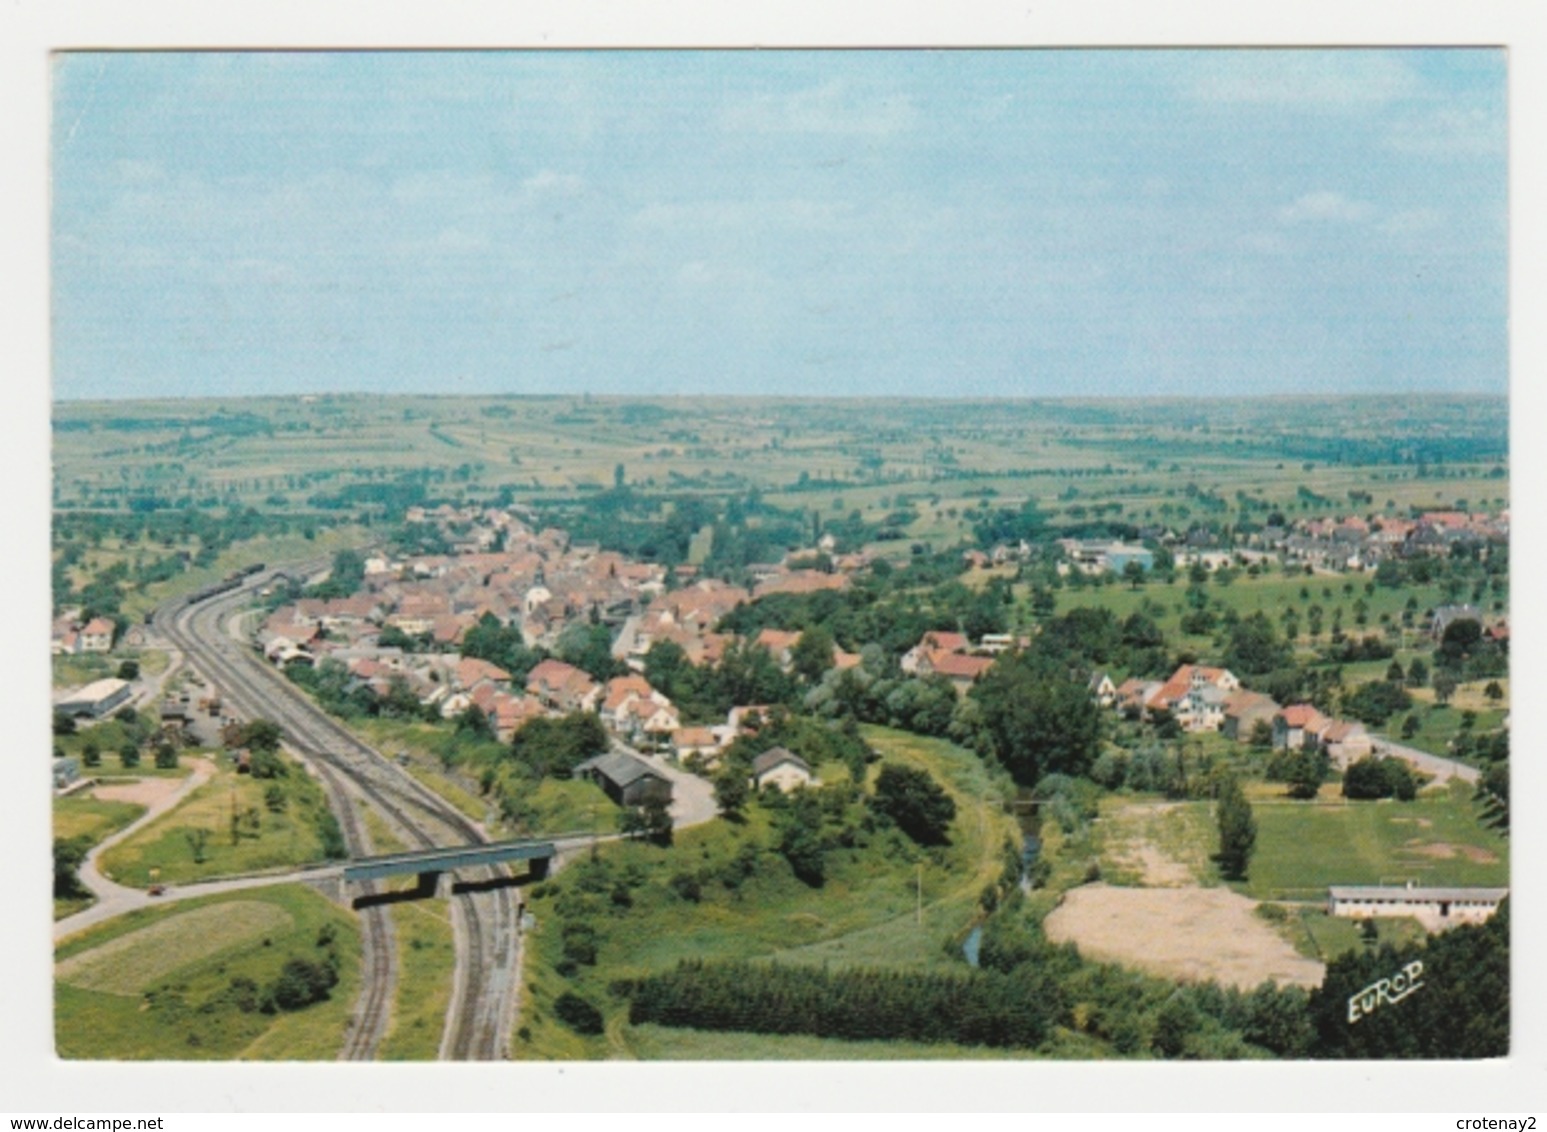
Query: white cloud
[[1326, 78], [795, 214], [132, 172], [1412, 220], [1265, 243], [1462, 132], [1324, 205], [826, 109], [547, 181]]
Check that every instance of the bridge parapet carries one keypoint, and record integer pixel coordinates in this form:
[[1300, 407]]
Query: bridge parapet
[[444, 860]]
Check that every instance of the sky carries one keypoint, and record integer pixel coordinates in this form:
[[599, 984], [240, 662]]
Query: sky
[[976, 223]]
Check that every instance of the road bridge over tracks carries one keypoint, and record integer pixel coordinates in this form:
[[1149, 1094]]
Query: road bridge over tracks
[[429, 864]]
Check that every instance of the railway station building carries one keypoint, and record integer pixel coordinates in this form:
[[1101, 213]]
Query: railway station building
[[95, 700]]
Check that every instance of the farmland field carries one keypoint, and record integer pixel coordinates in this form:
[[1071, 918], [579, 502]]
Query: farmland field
[[174, 983]]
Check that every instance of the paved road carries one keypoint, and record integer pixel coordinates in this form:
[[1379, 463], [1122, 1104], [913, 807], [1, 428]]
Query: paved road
[[114, 899], [1442, 769]]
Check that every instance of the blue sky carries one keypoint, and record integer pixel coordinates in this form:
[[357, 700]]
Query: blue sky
[[1010, 223]]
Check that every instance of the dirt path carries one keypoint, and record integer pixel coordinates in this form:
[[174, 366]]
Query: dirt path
[[1186, 933], [1134, 849]]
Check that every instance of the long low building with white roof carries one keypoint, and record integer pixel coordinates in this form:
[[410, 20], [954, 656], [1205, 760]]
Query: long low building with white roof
[[1434, 907]]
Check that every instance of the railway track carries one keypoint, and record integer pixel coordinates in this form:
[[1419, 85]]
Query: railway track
[[484, 920]]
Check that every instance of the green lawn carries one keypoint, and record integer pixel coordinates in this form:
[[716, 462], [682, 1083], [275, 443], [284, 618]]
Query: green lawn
[[73, 671], [866, 912], [80, 815], [426, 955], [1302, 847], [654, 1043], [1328, 937], [1271, 593], [1439, 725], [280, 840], [156, 984]]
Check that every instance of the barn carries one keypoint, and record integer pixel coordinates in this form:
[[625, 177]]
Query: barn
[[627, 780]]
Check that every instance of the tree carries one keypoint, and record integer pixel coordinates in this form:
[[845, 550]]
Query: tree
[[1445, 685], [63, 724], [1133, 573], [198, 842], [1255, 646], [579, 1014], [1460, 639], [1262, 735], [1494, 691], [812, 654], [915, 802], [731, 792], [1462, 1010], [166, 756], [257, 735], [650, 821], [69, 852], [1306, 772], [129, 670], [552, 746], [1417, 673], [302, 982], [1037, 718], [129, 756], [1372, 777], [1237, 830], [800, 837]]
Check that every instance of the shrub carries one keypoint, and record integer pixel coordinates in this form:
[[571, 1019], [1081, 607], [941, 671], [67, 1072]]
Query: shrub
[[687, 886], [580, 943], [302, 982], [1373, 777], [577, 1013]]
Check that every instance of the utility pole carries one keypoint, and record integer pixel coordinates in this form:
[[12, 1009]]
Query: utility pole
[[920, 913]]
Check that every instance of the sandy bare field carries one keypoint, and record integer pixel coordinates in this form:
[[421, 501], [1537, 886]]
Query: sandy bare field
[[1181, 933], [150, 792], [143, 792]]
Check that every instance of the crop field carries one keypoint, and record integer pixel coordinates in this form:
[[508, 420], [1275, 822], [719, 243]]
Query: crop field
[[941, 459], [167, 983], [133, 963]]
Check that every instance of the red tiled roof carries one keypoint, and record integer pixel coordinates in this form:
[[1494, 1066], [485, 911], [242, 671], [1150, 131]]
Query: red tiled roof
[[1302, 716], [959, 667]]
